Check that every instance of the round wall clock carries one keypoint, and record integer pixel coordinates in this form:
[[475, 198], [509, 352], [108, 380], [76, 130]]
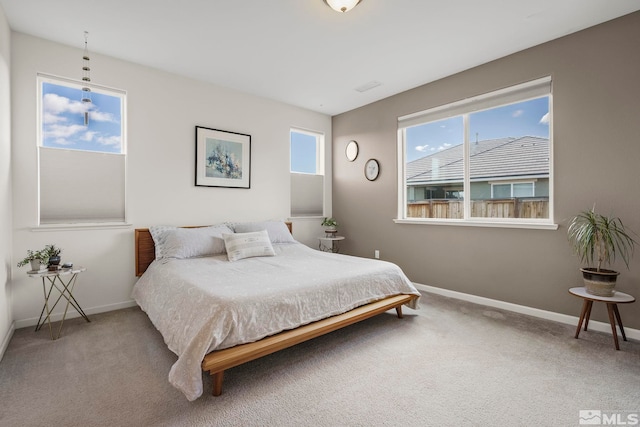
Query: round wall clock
[[351, 151], [372, 169]]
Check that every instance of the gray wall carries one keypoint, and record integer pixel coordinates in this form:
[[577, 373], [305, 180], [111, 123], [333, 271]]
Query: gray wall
[[596, 136]]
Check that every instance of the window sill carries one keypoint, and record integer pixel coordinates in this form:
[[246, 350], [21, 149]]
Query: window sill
[[82, 226], [478, 223]]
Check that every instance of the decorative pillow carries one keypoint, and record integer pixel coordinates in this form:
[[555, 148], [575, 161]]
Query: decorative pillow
[[246, 245], [159, 236], [194, 242], [277, 230]]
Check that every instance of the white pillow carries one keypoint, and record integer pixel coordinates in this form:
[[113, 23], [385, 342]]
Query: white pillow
[[194, 242], [277, 230], [246, 245], [159, 236]]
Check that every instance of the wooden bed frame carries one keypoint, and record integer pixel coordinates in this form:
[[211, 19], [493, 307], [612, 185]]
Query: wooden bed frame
[[218, 361]]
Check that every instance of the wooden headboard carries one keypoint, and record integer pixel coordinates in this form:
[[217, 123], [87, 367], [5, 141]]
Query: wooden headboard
[[146, 250]]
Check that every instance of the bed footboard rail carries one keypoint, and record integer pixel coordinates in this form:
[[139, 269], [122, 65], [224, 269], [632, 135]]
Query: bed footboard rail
[[218, 361]]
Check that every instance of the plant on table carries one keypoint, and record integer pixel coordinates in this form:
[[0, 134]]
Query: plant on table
[[329, 223], [53, 253], [35, 258], [597, 240]]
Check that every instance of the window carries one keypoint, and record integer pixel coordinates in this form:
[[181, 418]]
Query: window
[[485, 159], [513, 189], [81, 152], [307, 173]]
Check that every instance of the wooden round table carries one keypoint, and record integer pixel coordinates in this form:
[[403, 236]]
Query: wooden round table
[[612, 308]]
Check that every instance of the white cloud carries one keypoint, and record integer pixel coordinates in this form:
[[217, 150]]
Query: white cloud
[[101, 117], [62, 131], [545, 119], [444, 146], [62, 141], [517, 113], [49, 118], [88, 136], [422, 148], [109, 140], [56, 104]]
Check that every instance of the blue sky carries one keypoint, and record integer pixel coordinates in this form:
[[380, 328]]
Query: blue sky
[[530, 118], [63, 120], [303, 153]]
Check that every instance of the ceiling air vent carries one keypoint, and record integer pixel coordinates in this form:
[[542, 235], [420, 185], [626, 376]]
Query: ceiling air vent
[[368, 86]]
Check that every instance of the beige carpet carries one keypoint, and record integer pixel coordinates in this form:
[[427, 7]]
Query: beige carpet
[[451, 363]]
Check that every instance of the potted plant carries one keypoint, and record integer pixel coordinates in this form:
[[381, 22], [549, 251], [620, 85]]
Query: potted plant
[[598, 239], [35, 258], [53, 253], [330, 225]]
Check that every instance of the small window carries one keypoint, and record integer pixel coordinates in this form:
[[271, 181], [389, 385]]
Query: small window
[[307, 173], [82, 152], [517, 189]]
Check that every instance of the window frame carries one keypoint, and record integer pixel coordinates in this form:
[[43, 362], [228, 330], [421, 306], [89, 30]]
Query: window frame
[[320, 167], [71, 223], [538, 88]]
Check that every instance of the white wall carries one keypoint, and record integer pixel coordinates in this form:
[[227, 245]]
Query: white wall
[[6, 327], [163, 110]]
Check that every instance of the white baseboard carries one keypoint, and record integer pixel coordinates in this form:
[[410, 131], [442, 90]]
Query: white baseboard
[[7, 338], [73, 313], [522, 309]]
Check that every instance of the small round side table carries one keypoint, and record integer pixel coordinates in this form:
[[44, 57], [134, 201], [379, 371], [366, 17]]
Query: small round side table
[[612, 309], [64, 281], [330, 244]]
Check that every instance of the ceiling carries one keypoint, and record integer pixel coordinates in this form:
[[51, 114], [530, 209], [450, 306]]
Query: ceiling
[[300, 51]]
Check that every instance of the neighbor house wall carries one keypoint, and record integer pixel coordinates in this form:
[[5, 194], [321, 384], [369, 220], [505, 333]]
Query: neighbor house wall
[[162, 112], [596, 153], [6, 324]]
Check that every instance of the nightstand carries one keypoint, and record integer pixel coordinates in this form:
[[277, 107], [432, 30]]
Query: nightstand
[[64, 281], [330, 244]]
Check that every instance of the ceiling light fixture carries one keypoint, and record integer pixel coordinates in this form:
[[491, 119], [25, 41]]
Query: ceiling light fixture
[[342, 5]]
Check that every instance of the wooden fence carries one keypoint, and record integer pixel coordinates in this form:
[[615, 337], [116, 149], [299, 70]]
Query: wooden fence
[[526, 207]]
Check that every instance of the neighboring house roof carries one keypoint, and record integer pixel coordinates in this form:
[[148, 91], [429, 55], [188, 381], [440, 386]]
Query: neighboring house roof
[[512, 158]]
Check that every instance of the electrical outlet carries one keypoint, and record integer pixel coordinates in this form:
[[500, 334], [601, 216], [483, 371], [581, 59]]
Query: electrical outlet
[[376, 254]]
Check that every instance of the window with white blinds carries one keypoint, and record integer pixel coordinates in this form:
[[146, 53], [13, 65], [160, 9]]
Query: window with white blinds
[[307, 173], [81, 152]]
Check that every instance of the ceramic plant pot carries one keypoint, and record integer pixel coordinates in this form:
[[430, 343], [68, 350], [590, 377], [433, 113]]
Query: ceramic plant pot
[[600, 283]]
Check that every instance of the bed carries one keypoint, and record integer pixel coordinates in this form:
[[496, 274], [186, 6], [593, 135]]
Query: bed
[[216, 311]]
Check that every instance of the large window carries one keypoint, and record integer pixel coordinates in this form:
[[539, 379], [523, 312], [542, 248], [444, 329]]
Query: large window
[[485, 159], [307, 173], [81, 152]]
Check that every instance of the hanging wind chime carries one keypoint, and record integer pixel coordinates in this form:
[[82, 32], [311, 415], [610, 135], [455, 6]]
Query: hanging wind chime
[[86, 78]]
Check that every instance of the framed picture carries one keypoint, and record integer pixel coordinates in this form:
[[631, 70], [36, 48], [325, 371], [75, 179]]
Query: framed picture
[[223, 159]]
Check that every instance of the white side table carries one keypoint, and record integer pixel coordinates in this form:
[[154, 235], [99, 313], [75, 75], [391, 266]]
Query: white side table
[[63, 280], [330, 244], [612, 309]]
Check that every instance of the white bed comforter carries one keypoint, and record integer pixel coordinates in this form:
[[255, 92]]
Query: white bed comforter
[[205, 304]]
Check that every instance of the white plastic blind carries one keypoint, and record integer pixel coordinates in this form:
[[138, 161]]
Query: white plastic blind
[[81, 186], [509, 95], [306, 194]]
